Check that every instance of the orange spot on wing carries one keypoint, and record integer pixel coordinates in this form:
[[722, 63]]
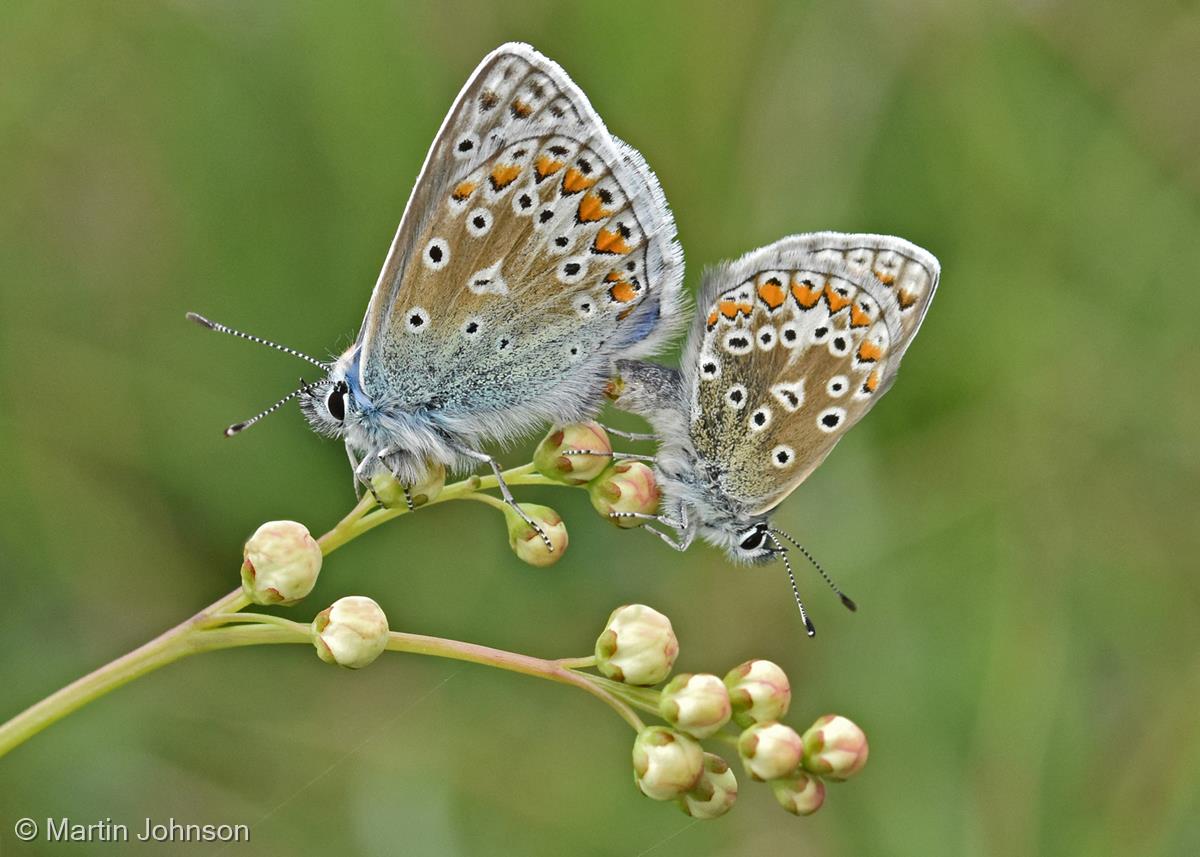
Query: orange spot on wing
[[504, 174], [609, 242], [805, 293], [520, 109], [745, 309], [859, 317], [463, 190], [907, 299], [772, 294], [591, 209], [886, 279], [546, 165], [837, 302], [622, 292], [869, 352], [712, 319], [871, 383], [575, 181], [729, 309]]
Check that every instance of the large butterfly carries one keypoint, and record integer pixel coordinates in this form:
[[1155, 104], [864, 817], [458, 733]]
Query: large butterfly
[[792, 345], [535, 250]]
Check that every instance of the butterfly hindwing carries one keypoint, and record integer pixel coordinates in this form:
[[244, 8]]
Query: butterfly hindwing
[[535, 249], [796, 342]]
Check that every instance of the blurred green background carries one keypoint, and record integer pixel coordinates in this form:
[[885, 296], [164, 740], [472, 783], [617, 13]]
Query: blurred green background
[[1018, 519]]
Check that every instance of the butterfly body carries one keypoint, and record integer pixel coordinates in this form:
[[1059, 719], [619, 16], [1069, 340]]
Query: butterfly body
[[536, 249], [792, 345]]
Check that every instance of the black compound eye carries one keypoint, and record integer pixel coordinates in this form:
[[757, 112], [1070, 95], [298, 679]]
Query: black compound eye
[[753, 541], [335, 402]]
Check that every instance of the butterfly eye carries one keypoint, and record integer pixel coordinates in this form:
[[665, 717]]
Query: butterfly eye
[[753, 541], [335, 402]]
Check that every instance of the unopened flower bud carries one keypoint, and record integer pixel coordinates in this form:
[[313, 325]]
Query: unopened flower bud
[[281, 563], [550, 461], [770, 750], [759, 691], [525, 541], [627, 486], [391, 493], [714, 793], [638, 646], [800, 793], [695, 704], [666, 763], [351, 632], [835, 747]]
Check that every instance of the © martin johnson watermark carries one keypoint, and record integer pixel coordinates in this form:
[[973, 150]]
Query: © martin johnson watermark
[[64, 829]]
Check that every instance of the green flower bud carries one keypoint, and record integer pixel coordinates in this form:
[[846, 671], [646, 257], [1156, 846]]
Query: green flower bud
[[352, 632], [390, 492], [714, 793], [525, 541], [695, 704], [281, 563], [759, 691], [835, 747], [637, 646], [666, 763], [626, 486], [799, 793], [573, 469], [770, 750]]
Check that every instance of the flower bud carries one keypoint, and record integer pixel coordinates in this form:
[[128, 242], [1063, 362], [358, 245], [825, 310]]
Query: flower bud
[[799, 793], [759, 692], [549, 460], [525, 541], [770, 750], [281, 563], [714, 793], [390, 492], [351, 632], [695, 704], [638, 646], [626, 486], [666, 763], [835, 747]]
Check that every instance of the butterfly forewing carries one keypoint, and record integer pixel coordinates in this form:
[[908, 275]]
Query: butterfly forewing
[[797, 341], [534, 242]]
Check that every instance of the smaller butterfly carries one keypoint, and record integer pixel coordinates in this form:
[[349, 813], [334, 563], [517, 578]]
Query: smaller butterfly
[[793, 344]]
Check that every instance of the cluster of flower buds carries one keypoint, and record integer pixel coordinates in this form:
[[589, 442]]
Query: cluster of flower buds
[[638, 647], [580, 455]]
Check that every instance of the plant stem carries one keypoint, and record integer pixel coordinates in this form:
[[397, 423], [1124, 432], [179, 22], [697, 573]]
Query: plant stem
[[222, 625]]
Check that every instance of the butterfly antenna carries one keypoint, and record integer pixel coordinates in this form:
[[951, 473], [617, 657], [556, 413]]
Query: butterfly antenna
[[237, 428], [783, 553], [846, 599], [221, 328]]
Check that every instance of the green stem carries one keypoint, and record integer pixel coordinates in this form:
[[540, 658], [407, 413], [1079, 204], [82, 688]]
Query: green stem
[[222, 625]]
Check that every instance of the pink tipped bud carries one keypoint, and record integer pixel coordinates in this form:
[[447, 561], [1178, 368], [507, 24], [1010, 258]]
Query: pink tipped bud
[[637, 646], [281, 563], [550, 461], [695, 704], [759, 691], [666, 763], [525, 541], [799, 793], [835, 747], [352, 632], [714, 793], [627, 486], [770, 750]]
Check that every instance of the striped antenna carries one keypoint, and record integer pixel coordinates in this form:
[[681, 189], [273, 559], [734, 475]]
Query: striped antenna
[[808, 625], [221, 328], [237, 428], [846, 599]]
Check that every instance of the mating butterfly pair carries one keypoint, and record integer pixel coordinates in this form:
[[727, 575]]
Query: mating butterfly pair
[[537, 257]]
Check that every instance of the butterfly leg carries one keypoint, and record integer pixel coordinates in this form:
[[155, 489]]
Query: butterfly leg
[[506, 494], [354, 473], [628, 435]]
